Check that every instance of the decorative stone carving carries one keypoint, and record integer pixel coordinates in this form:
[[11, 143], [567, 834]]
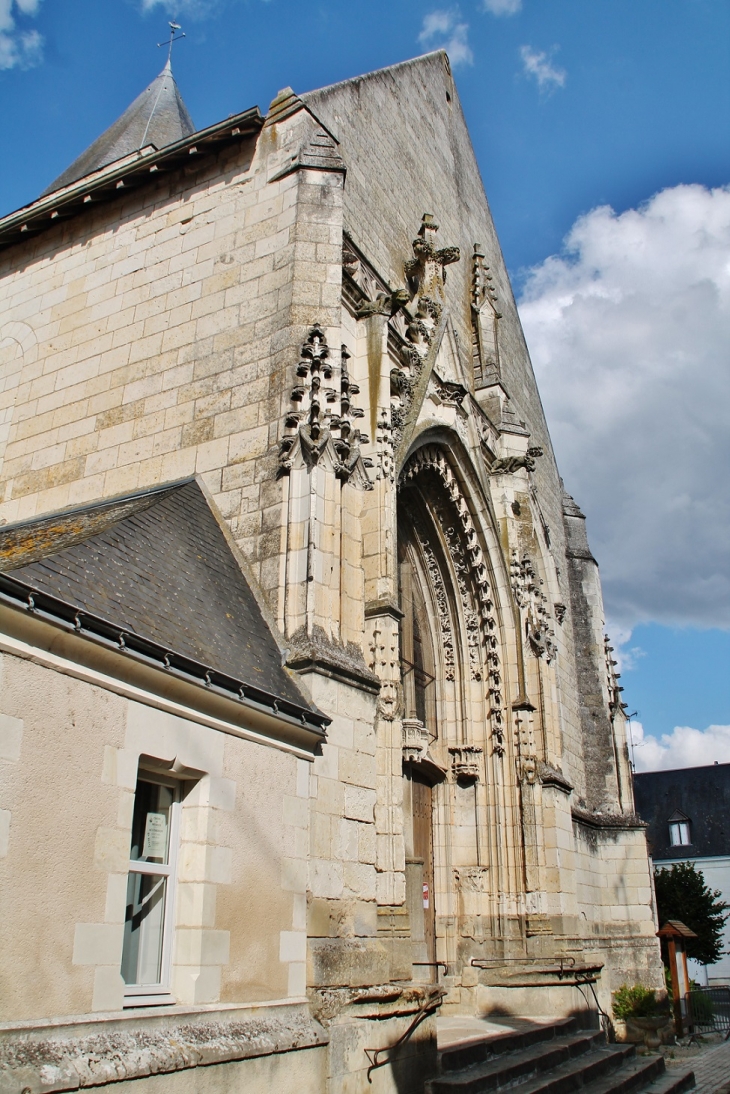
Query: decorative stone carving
[[415, 740], [426, 271], [472, 879], [485, 317], [527, 588], [559, 610], [472, 582], [507, 465], [416, 326], [383, 304], [528, 769], [466, 763], [384, 661], [311, 429], [448, 393], [442, 603]]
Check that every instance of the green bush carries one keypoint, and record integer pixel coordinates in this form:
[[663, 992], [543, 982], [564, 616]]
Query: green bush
[[636, 1002]]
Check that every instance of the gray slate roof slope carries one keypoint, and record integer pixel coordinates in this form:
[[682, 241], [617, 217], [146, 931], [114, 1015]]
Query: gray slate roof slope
[[701, 794], [158, 565], [158, 116]]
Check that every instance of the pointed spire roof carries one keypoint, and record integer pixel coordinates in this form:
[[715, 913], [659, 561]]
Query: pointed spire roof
[[158, 116]]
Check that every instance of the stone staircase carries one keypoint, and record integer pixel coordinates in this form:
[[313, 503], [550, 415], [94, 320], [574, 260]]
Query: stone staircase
[[555, 1058]]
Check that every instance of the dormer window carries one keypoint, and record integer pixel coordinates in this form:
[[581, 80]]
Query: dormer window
[[679, 834]]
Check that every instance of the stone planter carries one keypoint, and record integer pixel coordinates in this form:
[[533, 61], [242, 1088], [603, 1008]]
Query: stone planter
[[651, 1032]]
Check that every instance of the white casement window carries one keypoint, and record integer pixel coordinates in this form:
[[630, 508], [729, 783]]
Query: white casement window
[[679, 833], [150, 906]]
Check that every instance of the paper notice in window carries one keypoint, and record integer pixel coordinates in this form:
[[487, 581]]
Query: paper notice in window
[[155, 836]]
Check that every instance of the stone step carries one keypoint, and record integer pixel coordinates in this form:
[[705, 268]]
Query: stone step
[[565, 1065], [483, 1049], [672, 1082], [640, 1076]]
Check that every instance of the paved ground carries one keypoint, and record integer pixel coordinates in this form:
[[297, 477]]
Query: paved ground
[[712, 1070]]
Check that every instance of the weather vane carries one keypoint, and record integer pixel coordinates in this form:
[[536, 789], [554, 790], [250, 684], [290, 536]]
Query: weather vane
[[173, 38]]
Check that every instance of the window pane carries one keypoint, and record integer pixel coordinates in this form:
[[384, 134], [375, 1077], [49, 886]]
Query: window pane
[[151, 822], [143, 928], [679, 834]]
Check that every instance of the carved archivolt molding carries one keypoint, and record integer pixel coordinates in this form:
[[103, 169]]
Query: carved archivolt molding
[[320, 421], [442, 602], [470, 568]]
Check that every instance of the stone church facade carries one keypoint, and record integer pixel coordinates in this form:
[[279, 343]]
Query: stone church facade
[[309, 726]]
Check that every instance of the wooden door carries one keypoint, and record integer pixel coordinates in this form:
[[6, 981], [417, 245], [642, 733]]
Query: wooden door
[[423, 849]]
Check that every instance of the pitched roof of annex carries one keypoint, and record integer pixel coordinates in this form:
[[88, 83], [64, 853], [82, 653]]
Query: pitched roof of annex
[[153, 575]]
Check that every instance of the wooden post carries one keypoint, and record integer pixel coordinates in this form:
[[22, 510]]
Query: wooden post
[[676, 934]]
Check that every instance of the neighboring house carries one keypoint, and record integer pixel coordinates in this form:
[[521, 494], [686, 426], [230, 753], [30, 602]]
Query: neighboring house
[[304, 680], [688, 813]]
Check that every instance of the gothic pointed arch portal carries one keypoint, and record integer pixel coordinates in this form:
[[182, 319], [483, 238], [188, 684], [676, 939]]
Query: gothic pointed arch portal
[[454, 716]]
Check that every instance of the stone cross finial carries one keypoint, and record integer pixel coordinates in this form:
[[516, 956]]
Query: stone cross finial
[[426, 271]]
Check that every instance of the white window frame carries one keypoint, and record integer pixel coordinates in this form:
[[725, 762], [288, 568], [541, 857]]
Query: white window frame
[[680, 829], [150, 995]]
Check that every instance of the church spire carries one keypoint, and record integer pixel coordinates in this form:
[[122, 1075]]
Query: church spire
[[158, 116]]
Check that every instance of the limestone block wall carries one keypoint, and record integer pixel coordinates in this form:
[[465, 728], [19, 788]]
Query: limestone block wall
[[67, 794], [343, 947], [156, 338]]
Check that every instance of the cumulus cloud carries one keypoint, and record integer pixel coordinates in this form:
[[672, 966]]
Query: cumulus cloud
[[683, 747], [539, 65], [629, 331], [502, 7], [443, 30], [19, 48]]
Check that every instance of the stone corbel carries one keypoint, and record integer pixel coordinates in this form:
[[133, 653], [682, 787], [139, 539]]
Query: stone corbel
[[415, 740], [466, 763]]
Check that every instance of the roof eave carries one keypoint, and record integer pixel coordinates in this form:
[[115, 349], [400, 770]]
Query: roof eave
[[123, 175], [308, 723]]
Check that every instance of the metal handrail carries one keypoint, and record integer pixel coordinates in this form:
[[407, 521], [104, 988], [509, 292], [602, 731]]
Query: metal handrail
[[431, 1004]]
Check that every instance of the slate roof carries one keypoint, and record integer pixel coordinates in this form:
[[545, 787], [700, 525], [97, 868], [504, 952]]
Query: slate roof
[[157, 117], [701, 794], [156, 565]]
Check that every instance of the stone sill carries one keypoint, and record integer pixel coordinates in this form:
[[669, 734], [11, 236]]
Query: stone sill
[[93, 1050]]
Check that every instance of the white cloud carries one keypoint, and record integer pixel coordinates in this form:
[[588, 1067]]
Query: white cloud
[[442, 30], [188, 9], [541, 67], [683, 747], [502, 7], [629, 331], [19, 48]]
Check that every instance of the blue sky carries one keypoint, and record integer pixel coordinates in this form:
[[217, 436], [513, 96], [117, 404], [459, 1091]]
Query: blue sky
[[573, 106]]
